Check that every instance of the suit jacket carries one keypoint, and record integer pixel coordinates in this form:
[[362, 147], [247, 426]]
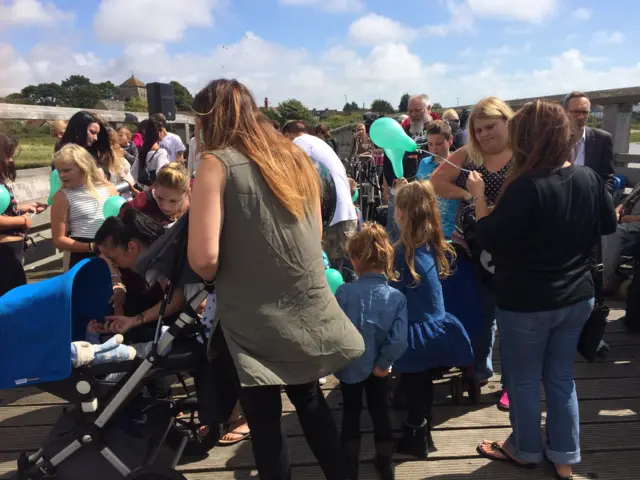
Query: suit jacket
[[598, 154]]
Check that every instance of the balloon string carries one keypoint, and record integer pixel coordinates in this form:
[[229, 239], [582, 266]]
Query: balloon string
[[445, 160]]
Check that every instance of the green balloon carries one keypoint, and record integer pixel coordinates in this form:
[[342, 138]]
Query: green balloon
[[387, 133], [54, 185], [112, 206], [334, 278], [355, 196], [395, 157], [5, 199]]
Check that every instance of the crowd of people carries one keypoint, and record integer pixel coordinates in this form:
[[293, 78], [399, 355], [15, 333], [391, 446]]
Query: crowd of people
[[530, 191]]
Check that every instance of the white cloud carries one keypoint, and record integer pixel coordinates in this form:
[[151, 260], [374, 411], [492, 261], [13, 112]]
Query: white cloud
[[129, 22], [582, 14], [374, 29], [32, 13], [608, 38], [332, 6], [273, 71], [460, 21], [534, 11]]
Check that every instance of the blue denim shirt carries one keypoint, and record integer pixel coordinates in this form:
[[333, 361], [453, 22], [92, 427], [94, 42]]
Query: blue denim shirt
[[379, 312]]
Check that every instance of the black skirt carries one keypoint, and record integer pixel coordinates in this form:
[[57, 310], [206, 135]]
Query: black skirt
[[11, 256], [76, 257]]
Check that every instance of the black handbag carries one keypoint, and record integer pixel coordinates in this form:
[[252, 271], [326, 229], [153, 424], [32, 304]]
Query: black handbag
[[593, 330]]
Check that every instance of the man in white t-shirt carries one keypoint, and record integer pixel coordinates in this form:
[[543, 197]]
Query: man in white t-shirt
[[344, 221], [171, 142]]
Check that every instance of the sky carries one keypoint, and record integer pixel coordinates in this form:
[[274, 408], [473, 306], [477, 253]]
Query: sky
[[326, 52]]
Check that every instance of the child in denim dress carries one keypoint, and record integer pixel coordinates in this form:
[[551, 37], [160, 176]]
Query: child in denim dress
[[380, 314], [436, 339]]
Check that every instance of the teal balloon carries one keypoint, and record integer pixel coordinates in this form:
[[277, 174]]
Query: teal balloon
[[325, 259], [112, 206], [334, 278], [387, 133], [395, 157], [54, 185], [5, 199], [355, 196]]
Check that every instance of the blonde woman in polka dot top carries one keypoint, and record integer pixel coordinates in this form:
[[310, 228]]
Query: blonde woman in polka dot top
[[487, 152]]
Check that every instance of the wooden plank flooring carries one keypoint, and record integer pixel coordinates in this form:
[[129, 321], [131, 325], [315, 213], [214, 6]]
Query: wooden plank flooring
[[609, 393]]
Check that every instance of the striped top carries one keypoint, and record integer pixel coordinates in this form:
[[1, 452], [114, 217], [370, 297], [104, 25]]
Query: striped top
[[85, 211]]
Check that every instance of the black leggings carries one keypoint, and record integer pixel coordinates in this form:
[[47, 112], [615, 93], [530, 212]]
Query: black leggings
[[262, 407], [419, 390], [376, 389], [76, 257], [11, 255]]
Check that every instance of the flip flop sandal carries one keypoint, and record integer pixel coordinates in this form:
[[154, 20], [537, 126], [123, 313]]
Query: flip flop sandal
[[507, 458], [242, 436]]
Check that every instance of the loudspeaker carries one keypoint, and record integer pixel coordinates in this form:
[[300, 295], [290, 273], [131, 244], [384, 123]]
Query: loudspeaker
[[160, 99]]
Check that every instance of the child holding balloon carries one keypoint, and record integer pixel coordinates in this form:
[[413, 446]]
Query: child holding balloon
[[15, 219], [437, 339], [77, 210], [380, 314]]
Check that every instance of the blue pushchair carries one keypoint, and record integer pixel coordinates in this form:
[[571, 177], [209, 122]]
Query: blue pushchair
[[110, 430]]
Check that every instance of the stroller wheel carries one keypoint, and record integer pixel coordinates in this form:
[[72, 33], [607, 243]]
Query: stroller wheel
[[149, 473]]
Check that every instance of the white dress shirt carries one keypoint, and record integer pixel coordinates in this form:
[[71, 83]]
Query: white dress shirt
[[579, 149]]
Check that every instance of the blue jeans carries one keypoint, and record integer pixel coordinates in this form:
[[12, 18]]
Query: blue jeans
[[482, 343], [543, 345]]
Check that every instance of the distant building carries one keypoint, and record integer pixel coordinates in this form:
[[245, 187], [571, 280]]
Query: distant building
[[116, 105], [324, 114], [132, 88]]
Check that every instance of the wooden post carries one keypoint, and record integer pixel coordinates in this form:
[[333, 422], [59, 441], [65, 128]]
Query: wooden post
[[617, 121]]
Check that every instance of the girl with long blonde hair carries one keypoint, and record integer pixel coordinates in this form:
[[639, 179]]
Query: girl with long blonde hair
[[255, 227], [76, 211], [436, 338]]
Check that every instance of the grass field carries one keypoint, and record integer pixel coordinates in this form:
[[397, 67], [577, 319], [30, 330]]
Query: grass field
[[35, 152], [635, 137]]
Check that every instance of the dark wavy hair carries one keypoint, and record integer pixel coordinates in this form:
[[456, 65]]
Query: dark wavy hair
[[8, 148], [132, 225], [151, 137], [76, 131]]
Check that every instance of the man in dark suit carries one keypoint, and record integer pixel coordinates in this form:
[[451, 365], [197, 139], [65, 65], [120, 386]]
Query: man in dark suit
[[594, 147]]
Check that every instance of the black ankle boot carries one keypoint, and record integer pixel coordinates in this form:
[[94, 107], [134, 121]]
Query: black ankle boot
[[430, 445], [413, 441], [384, 461], [351, 450]]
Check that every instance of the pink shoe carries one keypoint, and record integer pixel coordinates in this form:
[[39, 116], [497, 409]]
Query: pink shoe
[[503, 404]]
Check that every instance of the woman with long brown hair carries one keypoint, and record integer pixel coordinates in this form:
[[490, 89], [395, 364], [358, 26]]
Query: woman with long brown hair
[[549, 216], [277, 322]]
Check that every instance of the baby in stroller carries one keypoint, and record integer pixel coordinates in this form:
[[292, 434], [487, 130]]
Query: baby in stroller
[[111, 429]]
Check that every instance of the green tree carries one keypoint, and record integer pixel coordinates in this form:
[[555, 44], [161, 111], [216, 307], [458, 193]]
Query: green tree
[[48, 94], [350, 107], [136, 105], [293, 109], [404, 103], [182, 96], [108, 91], [271, 113], [16, 98], [436, 106], [381, 106], [80, 92]]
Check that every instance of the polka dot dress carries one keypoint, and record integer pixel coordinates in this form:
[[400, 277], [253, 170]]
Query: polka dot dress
[[209, 315], [492, 184]]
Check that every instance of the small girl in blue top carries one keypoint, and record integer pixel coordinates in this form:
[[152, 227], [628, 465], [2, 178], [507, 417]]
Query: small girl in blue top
[[436, 339], [380, 314]]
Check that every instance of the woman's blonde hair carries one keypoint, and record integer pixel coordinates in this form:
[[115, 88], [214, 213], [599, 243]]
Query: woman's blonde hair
[[173, 176], [58, 127], [372, 251], [117, 152], [489, 107], [230, 118], [417, 201], [79, 156], [126, 130]]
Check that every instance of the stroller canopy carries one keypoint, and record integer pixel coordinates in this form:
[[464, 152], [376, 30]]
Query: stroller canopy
[[39, 321]]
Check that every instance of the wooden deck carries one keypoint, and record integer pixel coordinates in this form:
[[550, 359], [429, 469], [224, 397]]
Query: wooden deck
[[609, 393]]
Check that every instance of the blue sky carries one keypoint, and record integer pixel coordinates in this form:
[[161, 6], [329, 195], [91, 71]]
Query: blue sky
[[321, 50]]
